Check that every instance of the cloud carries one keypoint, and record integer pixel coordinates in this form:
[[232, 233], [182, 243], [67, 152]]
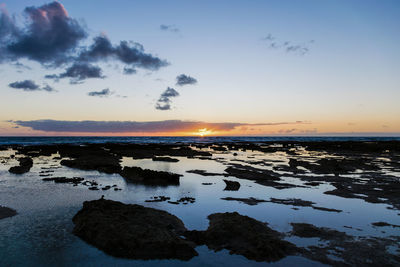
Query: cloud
[[29, 85], [103, 93], [183, 79], [164, 102], [79, 72], [132, 126], [129, 71], [48, 88], [48, 38], [169, 28], [130, 53], [287, 46], [52, 38]]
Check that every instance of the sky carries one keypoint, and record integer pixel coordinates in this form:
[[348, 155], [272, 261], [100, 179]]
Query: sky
[[167, 68]]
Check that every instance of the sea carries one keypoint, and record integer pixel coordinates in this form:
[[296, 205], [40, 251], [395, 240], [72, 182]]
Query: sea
[[35, 140]]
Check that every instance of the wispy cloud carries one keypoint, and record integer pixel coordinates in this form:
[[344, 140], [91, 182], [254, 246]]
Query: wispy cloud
[[102, 93], [134, 126], [164, 102], [287, 46], [184, 79], [29, 85], [169, 28]]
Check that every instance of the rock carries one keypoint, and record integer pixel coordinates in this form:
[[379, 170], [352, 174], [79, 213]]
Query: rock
[[231, 185], [132, 231], [382, 224], [260, 176], [348, 250], [94, 188], [6, 212], [243, 235], [309, 230], [149, 177], [249, 201], [300, 203], [186, 200], [167, 159], [158, 199], [64, 180], [205, 173], [25, 164]]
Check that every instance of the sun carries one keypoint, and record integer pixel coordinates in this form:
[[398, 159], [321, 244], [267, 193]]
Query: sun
[[203, 132]]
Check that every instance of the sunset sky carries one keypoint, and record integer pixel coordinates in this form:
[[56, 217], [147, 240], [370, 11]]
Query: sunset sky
[[127, 67]]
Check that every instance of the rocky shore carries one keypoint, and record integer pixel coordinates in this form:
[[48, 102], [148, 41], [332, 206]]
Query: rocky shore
[[367, 171]]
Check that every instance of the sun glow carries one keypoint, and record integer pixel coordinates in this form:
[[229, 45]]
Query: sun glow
[[203, 132]]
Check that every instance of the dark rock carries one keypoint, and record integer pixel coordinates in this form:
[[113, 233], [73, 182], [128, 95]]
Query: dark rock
[[244, 236], [260, 176], [231, 185], [25, 164], [65, 180], [158, 199], [382, 224], [349, 250], [309, 230], [149, 177], [249, 201], [6, 212], [132, 231], [300, 203], [185, 200], [167, 159], [94, 188], [205, 173]]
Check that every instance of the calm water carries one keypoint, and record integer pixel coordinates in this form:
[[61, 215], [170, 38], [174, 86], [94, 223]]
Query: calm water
[[41, 232], [77, 140]]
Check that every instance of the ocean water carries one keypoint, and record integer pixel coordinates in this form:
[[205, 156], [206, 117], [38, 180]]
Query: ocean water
[[41, 233], [186, 139]]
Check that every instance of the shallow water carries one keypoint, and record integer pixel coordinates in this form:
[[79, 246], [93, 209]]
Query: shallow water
[[41, 233]]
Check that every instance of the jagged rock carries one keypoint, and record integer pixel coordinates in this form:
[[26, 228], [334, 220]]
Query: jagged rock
[[244, 236], [231, 185], [149, 177], [132, 231], [25, 164]]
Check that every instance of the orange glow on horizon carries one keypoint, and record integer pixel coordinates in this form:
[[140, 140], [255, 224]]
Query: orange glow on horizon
[[203, 132]]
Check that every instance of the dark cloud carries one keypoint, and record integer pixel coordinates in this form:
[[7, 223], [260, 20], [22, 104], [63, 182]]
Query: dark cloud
[[52, 38], [288, 47], [131, 126], [169, 28], [48, 88], [185, 79], [130, 53], [79, 72], [29, 85], [103, 93], [47, 38], [129, 71], [20, 66], [164, 102]]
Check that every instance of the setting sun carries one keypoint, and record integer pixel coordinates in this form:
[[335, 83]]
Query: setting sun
[[204, 132]]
